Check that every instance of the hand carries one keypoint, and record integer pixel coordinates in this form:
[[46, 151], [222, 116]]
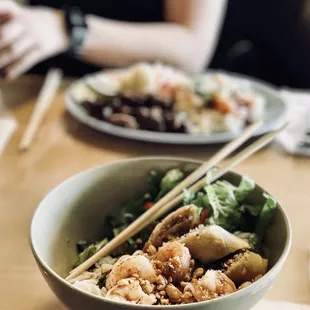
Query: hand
[[29, 36]]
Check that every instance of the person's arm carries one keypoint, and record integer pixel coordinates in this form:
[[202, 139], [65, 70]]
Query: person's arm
[[187, 39]]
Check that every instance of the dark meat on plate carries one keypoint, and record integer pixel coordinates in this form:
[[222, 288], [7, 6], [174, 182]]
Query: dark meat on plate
[[151, 118]]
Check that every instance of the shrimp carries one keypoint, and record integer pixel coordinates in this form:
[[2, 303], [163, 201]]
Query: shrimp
[[173, 260], [213, 284], [223, 104], [130, 290], [127, 266]]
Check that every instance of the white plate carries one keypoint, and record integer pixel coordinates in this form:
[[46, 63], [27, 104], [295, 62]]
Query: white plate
[[275, 115]]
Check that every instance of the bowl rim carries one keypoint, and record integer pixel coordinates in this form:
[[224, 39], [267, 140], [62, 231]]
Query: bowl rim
[[262, 281]]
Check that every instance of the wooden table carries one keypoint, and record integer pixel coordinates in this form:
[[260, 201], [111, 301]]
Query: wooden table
[[64, 147]]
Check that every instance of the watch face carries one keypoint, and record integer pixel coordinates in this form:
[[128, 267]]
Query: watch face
[[77, 17]]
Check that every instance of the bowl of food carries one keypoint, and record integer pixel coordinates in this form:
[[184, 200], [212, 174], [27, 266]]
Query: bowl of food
[[221, 248]]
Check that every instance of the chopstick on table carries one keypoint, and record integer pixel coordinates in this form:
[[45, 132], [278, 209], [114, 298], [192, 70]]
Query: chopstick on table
[[150, 215], [46, 96]]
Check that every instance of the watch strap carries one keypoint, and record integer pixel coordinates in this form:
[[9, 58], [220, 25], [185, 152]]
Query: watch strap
[[77, 29]]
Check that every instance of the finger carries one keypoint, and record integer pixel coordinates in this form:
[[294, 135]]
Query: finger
[[22, 65], [8, 10], [9, 33], [4, 18], [15, 51]]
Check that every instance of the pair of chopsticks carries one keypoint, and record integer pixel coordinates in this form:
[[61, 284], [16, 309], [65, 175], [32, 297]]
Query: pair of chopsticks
[[46, 96], [175, 196]]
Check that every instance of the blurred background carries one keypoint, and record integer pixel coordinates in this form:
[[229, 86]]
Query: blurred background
[[269, 40]]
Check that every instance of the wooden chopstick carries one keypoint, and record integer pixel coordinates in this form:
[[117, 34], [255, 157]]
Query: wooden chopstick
[[46, 96], [147, 217], [235, 160]]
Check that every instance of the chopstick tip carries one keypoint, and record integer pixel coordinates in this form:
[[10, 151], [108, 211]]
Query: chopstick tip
[[23, 149], [282, 127], [259, 123]]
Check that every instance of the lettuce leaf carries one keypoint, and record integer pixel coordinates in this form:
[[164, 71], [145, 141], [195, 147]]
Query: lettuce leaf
[[224, 205], [169, 181], [246, 186], [251, 238], [199, 199], [266, 215], [188, 197], [253, 210], [90, 251]]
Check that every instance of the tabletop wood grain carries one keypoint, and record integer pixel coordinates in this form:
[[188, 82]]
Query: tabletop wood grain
[[64, 147]]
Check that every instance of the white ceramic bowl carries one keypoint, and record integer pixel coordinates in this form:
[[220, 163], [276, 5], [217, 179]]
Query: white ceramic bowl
[[76, 210]]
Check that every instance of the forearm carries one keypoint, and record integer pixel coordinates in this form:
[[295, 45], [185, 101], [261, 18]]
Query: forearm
[[119, 44]]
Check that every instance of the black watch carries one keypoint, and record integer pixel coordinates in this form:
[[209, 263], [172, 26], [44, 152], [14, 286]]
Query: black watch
[[77, 29]]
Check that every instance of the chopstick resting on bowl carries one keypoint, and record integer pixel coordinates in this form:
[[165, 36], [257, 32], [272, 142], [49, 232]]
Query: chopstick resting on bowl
[[235, 160], [175, 196], [150, 215], [46, 96]]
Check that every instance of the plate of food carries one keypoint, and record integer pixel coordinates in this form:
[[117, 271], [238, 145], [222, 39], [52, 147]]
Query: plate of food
[[220, 248], [157, 103]]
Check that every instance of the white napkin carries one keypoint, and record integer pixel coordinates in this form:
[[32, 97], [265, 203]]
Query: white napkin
[[282, 305], [7, 125], [298, 115]]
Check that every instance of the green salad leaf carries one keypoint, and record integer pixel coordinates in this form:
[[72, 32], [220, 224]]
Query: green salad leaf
[[266, 215], [246, 186], [251, 238], [169, 181], [251, 209], [189, 196], [90, 251], [199, 199], [154, 184], [224, 205], [202, 201], [134, 207]]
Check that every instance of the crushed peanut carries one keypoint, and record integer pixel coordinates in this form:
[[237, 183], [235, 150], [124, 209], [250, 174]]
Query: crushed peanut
[[164, 301], [151, 250], [173, 292], [183, 284], [199, 272]]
